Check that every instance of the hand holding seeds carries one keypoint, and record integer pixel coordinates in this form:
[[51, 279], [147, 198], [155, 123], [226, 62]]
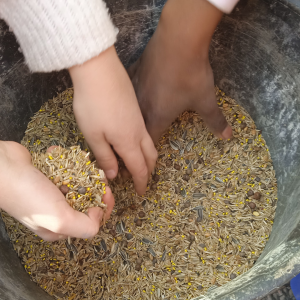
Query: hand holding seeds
[[107, 112], [31, 198]]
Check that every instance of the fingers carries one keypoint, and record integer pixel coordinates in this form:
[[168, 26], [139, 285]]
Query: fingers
[[54, 219], [140, 161], [212, 116], [106, 159], [227, 132], [50, 236], [136, 165], [95, 214], [51, 148], [150, 155], [159, 115], [109, 200], [80, 225], [149, 152]]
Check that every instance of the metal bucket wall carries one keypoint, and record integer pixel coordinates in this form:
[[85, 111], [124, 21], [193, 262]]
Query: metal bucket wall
[[255, 54]]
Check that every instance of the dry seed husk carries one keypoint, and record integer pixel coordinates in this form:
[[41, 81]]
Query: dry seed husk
[[175, 145], [100, 268], [189, 146], [198, 195]]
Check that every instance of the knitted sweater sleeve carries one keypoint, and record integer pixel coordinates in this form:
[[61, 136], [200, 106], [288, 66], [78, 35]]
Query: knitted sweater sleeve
[[58, 34], [225, 6]]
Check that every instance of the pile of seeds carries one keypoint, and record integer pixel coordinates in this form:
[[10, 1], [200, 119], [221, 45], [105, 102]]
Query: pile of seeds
[[204, 220], [54, 124], [75, 175]]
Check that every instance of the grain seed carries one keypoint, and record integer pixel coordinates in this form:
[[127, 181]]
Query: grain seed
[[175, 145], [193, 252], [189, 146]]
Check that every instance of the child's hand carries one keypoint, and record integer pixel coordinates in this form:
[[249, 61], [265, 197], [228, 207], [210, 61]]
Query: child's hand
[[107, 112], [174, 74], [29, 196]]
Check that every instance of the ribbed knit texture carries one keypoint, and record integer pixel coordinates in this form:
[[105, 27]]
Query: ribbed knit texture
[[225, 6], [58, 34]]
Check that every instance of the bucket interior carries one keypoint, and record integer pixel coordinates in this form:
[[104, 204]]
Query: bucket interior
[[255, 55]]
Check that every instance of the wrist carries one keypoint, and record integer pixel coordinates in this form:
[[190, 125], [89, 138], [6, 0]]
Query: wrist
[[3, 155], [95, 71], [188, 28], [5, 168]]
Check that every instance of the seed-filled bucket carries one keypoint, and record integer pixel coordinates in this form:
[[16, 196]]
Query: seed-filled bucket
[[255, 56]]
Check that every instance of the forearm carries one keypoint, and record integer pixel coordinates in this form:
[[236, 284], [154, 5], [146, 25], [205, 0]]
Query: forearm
[[189, 26], [59, 34]]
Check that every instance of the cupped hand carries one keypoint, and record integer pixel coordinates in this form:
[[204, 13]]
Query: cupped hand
[[29, 196], [108, 114]]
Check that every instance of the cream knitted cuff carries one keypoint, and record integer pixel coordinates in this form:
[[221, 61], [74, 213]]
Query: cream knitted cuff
[[225, 6], [58, 34]]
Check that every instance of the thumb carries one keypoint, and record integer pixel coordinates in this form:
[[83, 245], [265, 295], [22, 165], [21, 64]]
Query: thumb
[[77, 224], [109, 200], [80, 225], [87, 225], [85, 228], [96, 215]]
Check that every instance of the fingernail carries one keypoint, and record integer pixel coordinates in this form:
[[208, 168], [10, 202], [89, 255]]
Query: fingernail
[[227, 133], [100, 216], [111, 174], [153, 171], [51, 148]]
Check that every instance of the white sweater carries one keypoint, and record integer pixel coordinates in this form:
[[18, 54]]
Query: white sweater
[[225, 6], [58, 34]]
